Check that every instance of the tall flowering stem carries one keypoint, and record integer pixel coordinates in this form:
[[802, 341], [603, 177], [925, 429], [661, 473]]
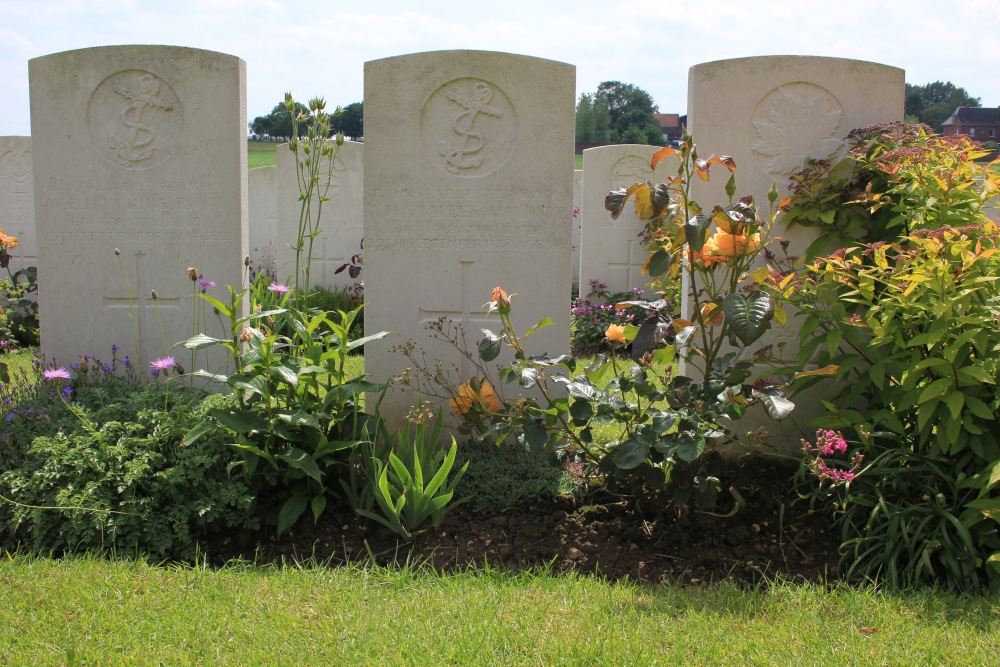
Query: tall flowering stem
[[315, 157]]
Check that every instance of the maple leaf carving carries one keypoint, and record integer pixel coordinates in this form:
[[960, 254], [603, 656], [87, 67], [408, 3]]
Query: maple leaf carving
[[795, 122]]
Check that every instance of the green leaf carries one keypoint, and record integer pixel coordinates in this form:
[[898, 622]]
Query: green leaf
[[367, 339], [202, 341], [527, 376], [748, 317], [777, 407], [291, 511], [731, 186], [4, 374], [695, 231], [690, 448], [581, 411], [218, 305], [582, 390], [489, 346], [631, 453], [955, 402], [300, 460], [318, 505], [536, 438], [935, 390], [658, 263], [544, 322], [192, 436], [238, 421]]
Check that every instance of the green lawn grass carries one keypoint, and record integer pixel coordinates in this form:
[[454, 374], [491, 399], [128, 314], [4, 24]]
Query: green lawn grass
[[261, 153], [91, 611], [578, 161]]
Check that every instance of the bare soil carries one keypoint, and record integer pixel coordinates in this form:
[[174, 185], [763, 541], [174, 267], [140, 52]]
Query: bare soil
[[646, 541]]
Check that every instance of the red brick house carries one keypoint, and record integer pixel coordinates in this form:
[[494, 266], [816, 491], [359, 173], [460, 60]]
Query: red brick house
[[670, 124], [980, 123]]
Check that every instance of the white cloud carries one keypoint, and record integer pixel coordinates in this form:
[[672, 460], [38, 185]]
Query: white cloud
[[321, 50]]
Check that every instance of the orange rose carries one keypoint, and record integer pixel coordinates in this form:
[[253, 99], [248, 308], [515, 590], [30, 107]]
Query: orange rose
[[467, 397], [722, 246], [615, 333], [8, 242]]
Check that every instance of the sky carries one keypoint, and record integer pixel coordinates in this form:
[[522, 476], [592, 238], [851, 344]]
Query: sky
[[318, 49]]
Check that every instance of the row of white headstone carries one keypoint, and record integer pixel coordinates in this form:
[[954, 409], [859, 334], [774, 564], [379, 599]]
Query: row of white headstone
[[139, 164]]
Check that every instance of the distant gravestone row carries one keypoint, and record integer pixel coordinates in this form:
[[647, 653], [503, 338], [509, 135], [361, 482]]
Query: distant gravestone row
[[461, 185]]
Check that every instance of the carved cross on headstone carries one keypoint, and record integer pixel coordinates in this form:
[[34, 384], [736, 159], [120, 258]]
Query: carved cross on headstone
[[632, 266], [326, 265], [20, 259], [142, 305], [469, 315]]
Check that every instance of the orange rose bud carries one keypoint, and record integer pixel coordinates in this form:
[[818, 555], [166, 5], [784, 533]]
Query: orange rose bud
[[615, 333], [502, 301]]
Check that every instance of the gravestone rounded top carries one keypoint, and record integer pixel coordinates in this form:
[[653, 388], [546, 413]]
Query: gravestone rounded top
[[783, 62]]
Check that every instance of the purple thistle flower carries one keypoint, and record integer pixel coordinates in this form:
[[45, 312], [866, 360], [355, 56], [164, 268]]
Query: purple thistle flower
[[164, 364], [56, 374], [279, 288]]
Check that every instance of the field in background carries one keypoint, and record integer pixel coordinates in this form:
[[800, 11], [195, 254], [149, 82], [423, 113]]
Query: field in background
[[261, 153]]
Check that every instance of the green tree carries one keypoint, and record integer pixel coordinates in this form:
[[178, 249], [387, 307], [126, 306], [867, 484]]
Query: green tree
[[636, 126], [350, 121], [617, 112], [585, 117], [932, 103], [602, 120], [278, 123]]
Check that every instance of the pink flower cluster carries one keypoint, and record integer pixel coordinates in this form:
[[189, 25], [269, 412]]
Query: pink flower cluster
[[831, 443], [832, 474]]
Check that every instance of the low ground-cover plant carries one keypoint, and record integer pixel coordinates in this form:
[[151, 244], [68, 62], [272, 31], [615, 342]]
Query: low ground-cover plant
[[111, 472], [505, 476]]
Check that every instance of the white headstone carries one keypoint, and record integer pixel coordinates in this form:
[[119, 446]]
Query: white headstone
[[140, 149], [467, 187], [770, 114], [263, 212], [341, 222], [577, 221], [611, 249], [17, 203]]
